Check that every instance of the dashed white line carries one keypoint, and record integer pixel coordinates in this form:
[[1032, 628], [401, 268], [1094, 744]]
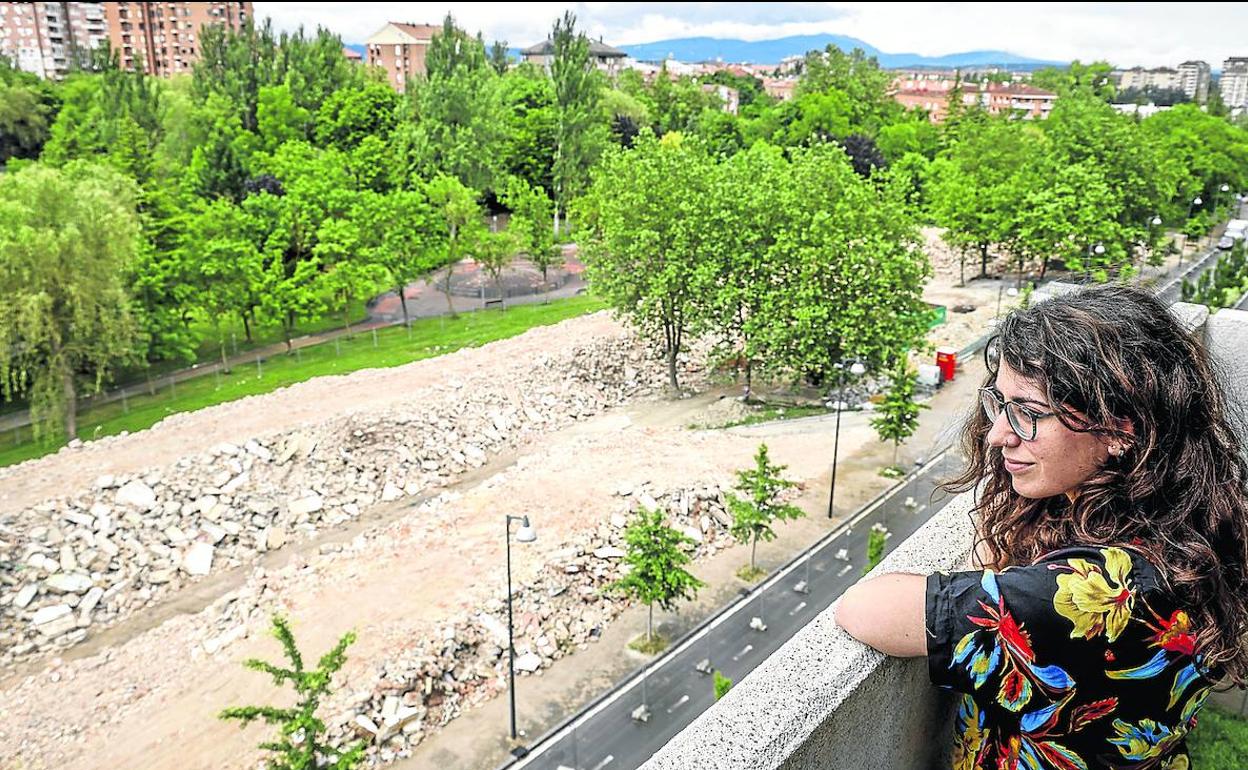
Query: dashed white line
[[744, 651], [683, 700], [844, 569], [605, 761], [798, 608]]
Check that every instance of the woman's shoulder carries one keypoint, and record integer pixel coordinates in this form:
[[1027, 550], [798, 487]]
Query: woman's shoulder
[[1126, 562]]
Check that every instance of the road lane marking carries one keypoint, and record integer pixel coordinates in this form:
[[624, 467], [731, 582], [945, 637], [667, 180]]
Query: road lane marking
[[744, 651], [845, 569], [683, 700], [798, 608], [606, 761]]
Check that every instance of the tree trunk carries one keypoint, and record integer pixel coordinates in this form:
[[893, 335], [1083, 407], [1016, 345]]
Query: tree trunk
[[753, 548], [246, 314], [403, 304], [545, 286], [749, 376], [225, 362], [498, 282], [556, 225], [962, 267], [288, 330], [896, 446], [71, 404], [650, 624], [983, 260]]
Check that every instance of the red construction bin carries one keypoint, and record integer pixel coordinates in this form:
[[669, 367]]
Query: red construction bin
[[947, 360]]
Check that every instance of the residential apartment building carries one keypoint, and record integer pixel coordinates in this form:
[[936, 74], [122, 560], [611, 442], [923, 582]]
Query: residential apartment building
[[606, 58], [932, 95], [50, 39], [400, 49], [1139, 78], [1234, 83], [1194, 80], [163, 38]]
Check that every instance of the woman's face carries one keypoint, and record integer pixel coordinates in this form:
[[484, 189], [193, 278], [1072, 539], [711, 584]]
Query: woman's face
[[1059, 459]]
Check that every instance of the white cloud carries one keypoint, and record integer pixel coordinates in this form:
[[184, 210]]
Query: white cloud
[[1150, 34]]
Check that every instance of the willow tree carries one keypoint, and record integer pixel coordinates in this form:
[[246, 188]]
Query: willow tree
[[66, 238]]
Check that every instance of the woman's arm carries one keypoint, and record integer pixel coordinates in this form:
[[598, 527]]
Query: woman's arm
[[887, 613]]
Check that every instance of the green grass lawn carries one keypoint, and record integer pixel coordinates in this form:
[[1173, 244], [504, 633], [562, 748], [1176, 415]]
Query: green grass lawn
[[209, 348], [429, 337], [1220, 740]]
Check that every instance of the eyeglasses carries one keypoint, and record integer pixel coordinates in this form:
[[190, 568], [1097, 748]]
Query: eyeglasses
[[1022, 419]]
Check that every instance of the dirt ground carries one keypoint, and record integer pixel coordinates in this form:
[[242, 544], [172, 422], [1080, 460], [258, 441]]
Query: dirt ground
[[147, 694]]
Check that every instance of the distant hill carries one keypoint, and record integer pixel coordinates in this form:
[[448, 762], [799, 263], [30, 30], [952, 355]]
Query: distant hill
[[698, 49]]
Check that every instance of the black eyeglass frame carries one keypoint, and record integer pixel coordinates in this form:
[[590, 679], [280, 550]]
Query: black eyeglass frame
[[1010, 417]]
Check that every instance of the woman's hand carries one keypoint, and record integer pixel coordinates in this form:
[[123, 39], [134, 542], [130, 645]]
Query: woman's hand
[[887, 613]]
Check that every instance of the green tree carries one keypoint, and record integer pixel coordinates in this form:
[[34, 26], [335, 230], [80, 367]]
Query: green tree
[[302, 742], [528, 98], [753, 514], [722, 684], [26, 114], [875, 547], [458, 115], [646, 239], [1094, 78], [348, 272], [530, 213], [67, 238], [859, 77], [494, 252], [279, 119], [499, 59], [221, 250], [349, 116], [461, 227], [579, 136], [401, 232], [898, 414], [656, 559]]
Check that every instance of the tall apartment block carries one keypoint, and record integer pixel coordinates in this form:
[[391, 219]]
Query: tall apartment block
[[400, 50], [162, 38], [50, 39], [1194, 80], [1234, 83]]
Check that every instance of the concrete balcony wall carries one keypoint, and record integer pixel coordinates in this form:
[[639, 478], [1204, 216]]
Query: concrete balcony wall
[[825, 701]]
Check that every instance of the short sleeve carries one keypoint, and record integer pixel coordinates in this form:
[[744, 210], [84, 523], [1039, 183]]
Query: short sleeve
[[983, 627]]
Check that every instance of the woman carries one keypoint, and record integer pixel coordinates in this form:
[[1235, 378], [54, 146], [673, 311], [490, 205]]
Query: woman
[[1113, 540]]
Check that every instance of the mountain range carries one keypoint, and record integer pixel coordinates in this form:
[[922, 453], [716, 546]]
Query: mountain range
[[700, 49]]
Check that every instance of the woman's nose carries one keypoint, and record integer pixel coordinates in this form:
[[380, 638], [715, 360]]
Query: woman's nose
[[1001, 435]]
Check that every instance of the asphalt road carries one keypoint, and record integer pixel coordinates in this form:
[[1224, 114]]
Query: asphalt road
[[674, 692]]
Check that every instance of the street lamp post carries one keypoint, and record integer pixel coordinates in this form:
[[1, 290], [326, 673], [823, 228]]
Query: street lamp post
[[1195, 202], [856, 369], [1223, 190], [1093, 251], [525, 534], [1152, 244]]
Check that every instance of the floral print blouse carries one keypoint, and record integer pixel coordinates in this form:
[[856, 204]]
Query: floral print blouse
[[1076, 662]]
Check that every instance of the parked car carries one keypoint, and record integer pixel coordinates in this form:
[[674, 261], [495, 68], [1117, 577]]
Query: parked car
[[1226, 243]]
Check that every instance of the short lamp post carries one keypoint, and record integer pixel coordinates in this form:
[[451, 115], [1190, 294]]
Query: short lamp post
[[1222, 191], [1153, 223], [526, 534], [856, 369]]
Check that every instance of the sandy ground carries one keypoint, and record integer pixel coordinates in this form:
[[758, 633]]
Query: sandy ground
[[146, 695]]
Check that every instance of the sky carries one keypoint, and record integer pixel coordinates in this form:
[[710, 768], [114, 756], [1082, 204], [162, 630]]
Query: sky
[[1125, 34]]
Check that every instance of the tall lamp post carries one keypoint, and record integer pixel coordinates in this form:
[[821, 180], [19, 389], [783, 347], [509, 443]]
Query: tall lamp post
[[1223, 190], [1093, 251], [526, 534], [856, 369], [1195, 202], [1152, 244]]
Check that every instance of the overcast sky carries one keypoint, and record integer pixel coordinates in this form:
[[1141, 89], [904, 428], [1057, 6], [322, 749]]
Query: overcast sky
[[1126, 34]]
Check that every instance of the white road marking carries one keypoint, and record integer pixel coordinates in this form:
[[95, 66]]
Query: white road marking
[[845, 569], [683, 700], [798, 608], [606, 761], [744, 651]]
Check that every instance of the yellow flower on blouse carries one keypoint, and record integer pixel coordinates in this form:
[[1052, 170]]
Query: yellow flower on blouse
[[1096, 600]]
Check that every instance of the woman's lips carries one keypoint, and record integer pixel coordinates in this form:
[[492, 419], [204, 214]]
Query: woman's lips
[[1013, 466]]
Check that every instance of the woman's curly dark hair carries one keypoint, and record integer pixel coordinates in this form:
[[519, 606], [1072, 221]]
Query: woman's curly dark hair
[[1177, 493]]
